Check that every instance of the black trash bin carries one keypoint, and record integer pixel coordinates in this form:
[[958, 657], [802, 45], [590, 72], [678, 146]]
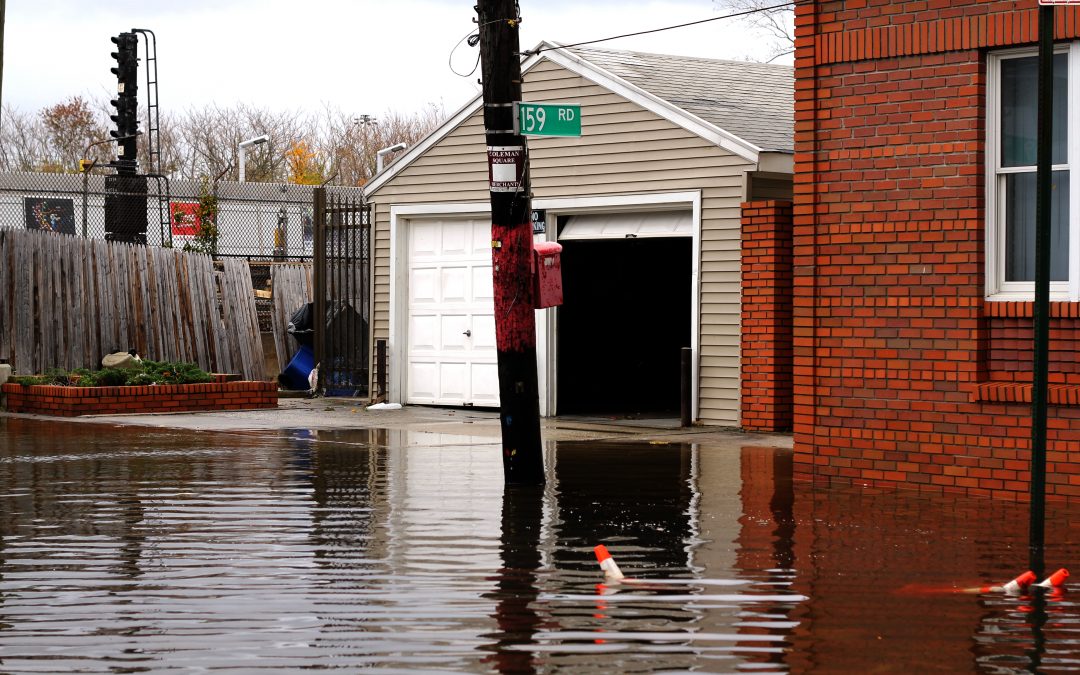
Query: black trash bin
[[302, 325]]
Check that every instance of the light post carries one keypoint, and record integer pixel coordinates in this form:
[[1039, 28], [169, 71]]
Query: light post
[[384, 152], [244, 145]]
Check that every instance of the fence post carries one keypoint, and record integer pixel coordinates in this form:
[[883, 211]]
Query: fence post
[[380, 371], [85, 193], [319, 271]]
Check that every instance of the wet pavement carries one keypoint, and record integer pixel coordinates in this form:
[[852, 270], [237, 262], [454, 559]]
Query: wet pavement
[[345, 413], [262, 545]]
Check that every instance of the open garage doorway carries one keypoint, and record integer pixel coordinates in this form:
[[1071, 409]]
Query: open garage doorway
[[625, 316]]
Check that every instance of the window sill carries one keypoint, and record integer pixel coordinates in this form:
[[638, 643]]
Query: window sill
[[1021, 309], [1016, 392]]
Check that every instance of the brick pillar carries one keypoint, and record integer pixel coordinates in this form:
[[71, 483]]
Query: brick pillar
[[767, 288]]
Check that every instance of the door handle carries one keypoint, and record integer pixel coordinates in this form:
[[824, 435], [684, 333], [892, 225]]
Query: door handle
[[467, 333]]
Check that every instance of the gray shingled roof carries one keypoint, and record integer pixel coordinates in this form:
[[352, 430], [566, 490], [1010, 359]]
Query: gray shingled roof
[[754, 101]]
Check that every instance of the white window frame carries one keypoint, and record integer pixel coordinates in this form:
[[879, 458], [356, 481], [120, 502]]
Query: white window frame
[[996, 286]]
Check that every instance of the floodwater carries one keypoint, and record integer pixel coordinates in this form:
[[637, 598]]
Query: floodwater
[[128, 550]]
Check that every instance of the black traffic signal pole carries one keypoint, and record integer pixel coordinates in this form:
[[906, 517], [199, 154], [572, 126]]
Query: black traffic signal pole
[[511, 244], [125, 193], [3, 10], [126, 101], [1041, 313]]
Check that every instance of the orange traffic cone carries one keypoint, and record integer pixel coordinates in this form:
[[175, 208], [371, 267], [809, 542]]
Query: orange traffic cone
[[607, 563], [1055, 580], [1020, 583], [1014, 587]]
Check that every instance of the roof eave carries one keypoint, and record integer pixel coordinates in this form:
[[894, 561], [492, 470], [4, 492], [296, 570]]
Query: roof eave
[[655, 104], [590, 71]]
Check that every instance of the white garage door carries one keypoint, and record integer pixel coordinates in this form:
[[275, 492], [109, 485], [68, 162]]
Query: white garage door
[[451, 323]]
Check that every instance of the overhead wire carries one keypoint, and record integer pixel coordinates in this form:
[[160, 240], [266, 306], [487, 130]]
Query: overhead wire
[[473, 36], [734, 15], [473, 39]]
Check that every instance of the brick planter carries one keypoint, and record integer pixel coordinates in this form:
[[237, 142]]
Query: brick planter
[[46, 399]]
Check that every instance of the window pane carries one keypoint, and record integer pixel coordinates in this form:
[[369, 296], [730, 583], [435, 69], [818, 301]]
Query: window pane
[[1020, 227], [1020, 110]]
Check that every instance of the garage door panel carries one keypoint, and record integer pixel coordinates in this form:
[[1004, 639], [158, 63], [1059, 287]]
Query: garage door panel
[[481, 238], [483, 285], [455, 283], [454, 327], [453, 382], [423, 286], [485, 384], [456, 238], [483, 332], [424, 240], [423, 333], [423, 381]]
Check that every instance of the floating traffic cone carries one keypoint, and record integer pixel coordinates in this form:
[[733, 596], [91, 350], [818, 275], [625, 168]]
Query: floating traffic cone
[[1014, 587], [1055, 580], [607, 563], [1020, 583]]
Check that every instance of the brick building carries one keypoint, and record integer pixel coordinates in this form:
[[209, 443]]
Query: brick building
[[913, 245]]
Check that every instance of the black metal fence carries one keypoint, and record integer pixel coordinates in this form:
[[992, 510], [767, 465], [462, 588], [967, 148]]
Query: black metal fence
[[342, 271], [258, 221]]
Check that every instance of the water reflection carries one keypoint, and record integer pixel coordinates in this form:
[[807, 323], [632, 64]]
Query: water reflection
[[134, 550], [516, 583]]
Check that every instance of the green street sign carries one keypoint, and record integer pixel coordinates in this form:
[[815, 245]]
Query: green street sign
[[547, 119]]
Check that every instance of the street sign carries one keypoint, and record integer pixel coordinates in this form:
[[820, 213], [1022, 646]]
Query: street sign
[[547, 119], [1059, 2], [539, 221]]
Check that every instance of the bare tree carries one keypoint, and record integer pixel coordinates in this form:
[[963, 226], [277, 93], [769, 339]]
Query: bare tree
[[351, 142], [22, 142], [775, 21], [331, 145]]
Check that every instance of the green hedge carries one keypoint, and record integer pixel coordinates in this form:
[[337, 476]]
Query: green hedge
[[141, 374]]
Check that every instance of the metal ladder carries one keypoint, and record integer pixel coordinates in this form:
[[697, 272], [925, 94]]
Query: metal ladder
[[153, 130]]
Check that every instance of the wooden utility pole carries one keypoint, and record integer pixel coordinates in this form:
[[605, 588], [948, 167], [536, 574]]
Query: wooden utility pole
[[511, 244]]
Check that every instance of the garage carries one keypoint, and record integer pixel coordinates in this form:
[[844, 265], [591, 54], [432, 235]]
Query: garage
[[451, 328], [647, 206], [626, 315]]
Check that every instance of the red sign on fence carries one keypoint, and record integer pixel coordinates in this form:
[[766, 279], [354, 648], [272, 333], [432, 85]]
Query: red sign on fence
[[185, 218]]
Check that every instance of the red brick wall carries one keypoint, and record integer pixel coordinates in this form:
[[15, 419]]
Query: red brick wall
[[766, 316], [74, 401], [894, 344]]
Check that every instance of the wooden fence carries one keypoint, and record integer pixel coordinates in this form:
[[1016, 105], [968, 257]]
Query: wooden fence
[[292, 287], [66, 301]]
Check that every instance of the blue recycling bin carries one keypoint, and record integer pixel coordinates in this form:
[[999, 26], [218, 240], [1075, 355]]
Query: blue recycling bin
[[295, 375]]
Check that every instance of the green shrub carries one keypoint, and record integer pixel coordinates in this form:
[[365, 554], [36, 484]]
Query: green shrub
[[170, 372], [27, 380], [57, 376], [142, 374], [111, 377]]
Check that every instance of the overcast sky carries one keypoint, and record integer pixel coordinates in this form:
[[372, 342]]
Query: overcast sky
[[360, 56]]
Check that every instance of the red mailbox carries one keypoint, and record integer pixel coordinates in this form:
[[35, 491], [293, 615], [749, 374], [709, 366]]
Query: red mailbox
[[547, 274]]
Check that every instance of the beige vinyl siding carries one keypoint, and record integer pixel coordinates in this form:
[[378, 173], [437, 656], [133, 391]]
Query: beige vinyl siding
[[624, 149]]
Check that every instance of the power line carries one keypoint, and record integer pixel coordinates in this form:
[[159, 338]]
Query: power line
[[734, 15]]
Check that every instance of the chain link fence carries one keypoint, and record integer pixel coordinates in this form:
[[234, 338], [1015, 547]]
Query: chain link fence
[[258, 221], [263, 223]]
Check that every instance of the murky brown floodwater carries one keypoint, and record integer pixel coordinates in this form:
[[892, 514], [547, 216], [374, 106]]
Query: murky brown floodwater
[[125, 550]]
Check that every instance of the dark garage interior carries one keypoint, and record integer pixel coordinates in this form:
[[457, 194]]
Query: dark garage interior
[[624, 319]]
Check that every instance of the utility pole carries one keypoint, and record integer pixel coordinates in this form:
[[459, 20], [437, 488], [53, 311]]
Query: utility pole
[[511, 244]]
